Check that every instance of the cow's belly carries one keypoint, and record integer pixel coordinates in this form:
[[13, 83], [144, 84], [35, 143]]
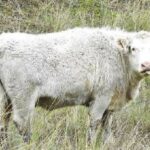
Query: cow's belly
[[51, 103], [59, 94]]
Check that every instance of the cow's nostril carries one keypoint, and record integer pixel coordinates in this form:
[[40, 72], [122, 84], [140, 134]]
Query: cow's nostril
[[143, 65]]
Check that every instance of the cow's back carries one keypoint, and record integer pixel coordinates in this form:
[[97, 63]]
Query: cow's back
[[68, 64]]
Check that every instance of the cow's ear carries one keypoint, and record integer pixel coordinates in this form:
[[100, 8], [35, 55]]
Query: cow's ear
[[124, 44]]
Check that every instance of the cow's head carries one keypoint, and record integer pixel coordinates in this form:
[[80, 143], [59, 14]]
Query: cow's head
[[137, 50]]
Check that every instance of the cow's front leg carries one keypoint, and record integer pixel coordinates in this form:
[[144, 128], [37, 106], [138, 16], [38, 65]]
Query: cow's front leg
[[23, 111], [106, 122], [98, 115]]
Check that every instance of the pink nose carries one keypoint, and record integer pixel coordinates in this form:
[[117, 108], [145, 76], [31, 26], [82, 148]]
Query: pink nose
[[145, 66]]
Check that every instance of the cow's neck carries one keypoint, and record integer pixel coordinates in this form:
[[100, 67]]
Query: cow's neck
[[132, 79], [133, 85]]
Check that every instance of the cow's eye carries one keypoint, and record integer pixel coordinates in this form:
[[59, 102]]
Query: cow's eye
[[133, 49]]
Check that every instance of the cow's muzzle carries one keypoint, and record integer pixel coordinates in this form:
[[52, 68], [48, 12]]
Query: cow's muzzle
[[145, 68]]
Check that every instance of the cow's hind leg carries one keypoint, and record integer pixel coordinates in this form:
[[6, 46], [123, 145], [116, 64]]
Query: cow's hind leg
[[23, 111], [5, 113], [97, 110], [106, 122]]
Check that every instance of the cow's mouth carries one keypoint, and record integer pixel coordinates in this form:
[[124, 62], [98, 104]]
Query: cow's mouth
[[145, 68], [146, 71]]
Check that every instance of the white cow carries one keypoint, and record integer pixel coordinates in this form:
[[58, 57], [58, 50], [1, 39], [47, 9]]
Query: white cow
[[97, 67]]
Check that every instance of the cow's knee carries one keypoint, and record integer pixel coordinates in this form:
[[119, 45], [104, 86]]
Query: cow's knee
[[24, 131], [95, 127], [23, 127], [22, 120]]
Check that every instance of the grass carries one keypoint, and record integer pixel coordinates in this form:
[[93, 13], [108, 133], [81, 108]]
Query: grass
[[47, 16], [66, 129]]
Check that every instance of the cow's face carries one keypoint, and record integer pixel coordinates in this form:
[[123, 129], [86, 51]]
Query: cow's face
[[138, 52]]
